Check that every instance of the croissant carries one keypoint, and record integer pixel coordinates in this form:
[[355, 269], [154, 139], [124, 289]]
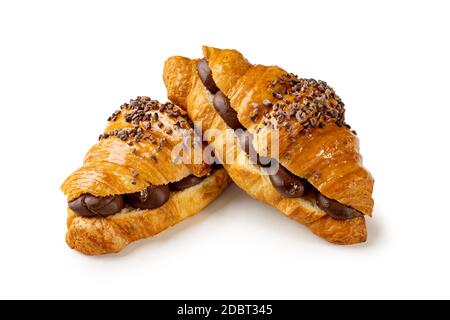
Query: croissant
[[321, 181], [130, 186]]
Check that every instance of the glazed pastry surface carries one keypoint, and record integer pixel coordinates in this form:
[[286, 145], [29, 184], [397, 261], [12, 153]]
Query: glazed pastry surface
[[315, 146], [133, 154]]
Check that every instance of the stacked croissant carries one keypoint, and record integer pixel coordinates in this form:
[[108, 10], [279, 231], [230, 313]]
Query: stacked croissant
[[293, 151]]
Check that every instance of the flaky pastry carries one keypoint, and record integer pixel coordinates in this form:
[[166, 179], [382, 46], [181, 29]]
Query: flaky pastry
[[321, 182]]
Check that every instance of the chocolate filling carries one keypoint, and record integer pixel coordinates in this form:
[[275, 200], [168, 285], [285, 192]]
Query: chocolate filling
[[206, 76], [151, 198], [285, 182], [223, 108], [245, 140], [288, 184], [186, 183], [88, 205], [335, 209]]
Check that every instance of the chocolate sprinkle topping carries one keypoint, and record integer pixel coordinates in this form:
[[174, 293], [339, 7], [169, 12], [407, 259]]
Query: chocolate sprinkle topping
[[277, 95], [315, 104], [143, 112], [267, 103]]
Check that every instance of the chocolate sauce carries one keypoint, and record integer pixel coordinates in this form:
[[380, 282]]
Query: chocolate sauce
[[226, 112], [90, 206], [151, 198], [186, 183], [205, 74]]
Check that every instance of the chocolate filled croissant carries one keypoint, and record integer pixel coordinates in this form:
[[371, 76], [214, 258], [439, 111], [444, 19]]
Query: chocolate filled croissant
[[321, 182], [130, 187]]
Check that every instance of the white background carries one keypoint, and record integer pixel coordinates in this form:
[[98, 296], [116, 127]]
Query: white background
[[66, 65]]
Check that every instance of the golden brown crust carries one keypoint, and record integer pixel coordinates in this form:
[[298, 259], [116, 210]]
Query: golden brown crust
[[227, 66], [178, 80], [347, 232], [249, 177], [134, 152], [94, 236], [327, 157], [122, 163]]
